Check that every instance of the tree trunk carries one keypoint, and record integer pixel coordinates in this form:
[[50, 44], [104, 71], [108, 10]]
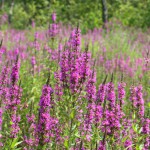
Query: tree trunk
[[104, 12], [11, 12]]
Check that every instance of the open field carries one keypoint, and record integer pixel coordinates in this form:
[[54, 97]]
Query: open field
[[60, 89]]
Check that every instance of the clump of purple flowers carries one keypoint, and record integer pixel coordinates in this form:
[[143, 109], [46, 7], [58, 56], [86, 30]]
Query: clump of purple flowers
[[53, 28], [14, 99], [44, 115]]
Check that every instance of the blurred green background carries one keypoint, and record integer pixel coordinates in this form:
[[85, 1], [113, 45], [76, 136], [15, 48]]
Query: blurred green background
[[20, 14]]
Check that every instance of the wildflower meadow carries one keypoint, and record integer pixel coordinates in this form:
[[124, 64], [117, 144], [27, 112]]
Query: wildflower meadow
[[64, 90]]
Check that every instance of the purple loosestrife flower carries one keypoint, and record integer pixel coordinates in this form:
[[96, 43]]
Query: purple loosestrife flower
[[111, 97], [15, 72], [111, 122], [44, 115], [33, 61], [146, 126], [127, 124], [13, 103], [64, 65], [53, 28], [15, 118], [35, 36], [53, 17], [140, 100], [108, 66], [128, 144], [102, 146], [74, 77], [133, 96], [55, 129], [33, 139], [98, 113], [30, 118], [15, 93], [101, 93], [4, 80], [36, 44], [147, 144], [75, 62], [121, 93], [4, 76], [1, 120], [146, 131], [84, 70], [90, 87], [58, 86], [76, 40], [2, 51], [89, 119]]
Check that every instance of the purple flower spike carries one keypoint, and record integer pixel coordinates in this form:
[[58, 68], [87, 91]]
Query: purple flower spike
[[44, 115], [53, 17], [111, 97], [121, 93], [102, 146], [15, 73], [101, 93], [128, 144], [140, 100]]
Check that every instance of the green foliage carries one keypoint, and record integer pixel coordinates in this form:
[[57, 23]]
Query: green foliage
[[20, 18], [88, 13], [133, 13]]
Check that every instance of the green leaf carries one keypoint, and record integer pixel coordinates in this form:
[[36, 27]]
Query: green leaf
[[135, 128], [66, 144], [15, 143], [77, 135], [72, 115]]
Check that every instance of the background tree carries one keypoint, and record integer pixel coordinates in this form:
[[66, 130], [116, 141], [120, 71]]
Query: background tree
[[90, 14], [104, 12]]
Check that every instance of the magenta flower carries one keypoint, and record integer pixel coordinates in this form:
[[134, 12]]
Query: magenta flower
[[121, 93], [4, 76], [1, 120], [146, 126], [102, 146], [32, 139], [14, 99], [33, 61], [53, 28], [64, 65], [15, 118], [44, 115], [53, 17], [140, 100], [15, 73], [84, 69], [101, 93], [111, 97], [91, 88], [133, 96], [58, 86], [76, 39], [128, 144]]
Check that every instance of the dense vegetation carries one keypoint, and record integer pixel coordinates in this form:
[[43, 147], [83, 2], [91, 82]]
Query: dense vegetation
[[63, 90], [88, 13], [74, 75]]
